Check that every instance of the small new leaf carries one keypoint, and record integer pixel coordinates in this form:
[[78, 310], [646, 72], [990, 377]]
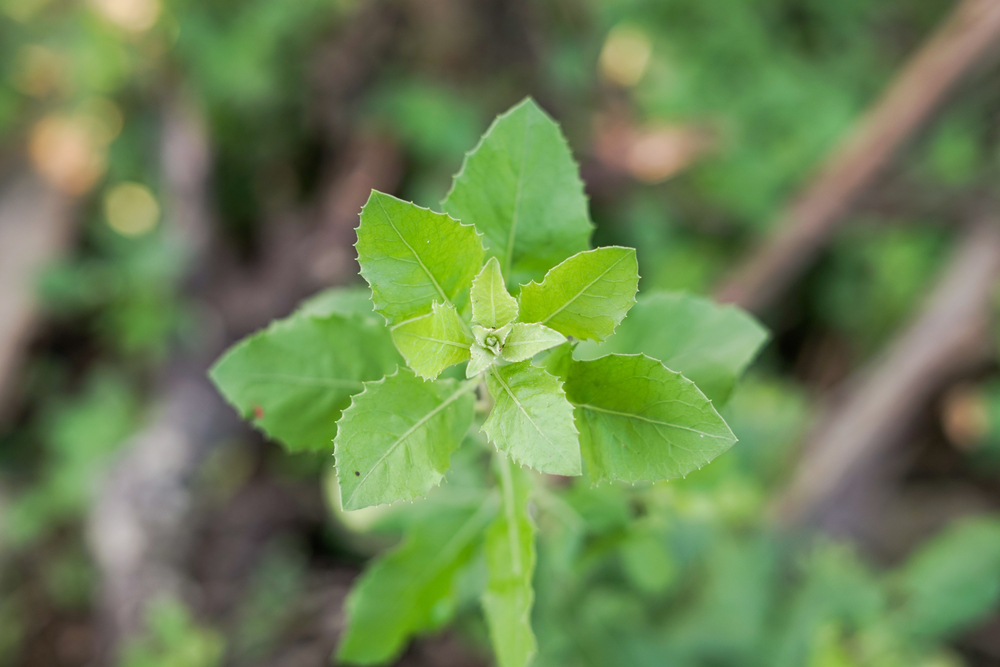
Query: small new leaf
[[433, 342], [711, 345], [526, 340], [294, 377], [492, 305], [491, 339], [522, 189], [413, 587], [413, 257], [396, 439], [531, 419], [640, 421], [586, 296], [510, 560], [481, 360]]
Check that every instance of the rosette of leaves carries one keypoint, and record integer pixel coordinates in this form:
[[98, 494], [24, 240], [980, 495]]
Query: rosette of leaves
[[504, 282]]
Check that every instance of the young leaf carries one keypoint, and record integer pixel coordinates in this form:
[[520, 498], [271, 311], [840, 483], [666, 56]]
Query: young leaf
[[433, 342], [709, 344], [492, 305], [413, 257], [481, 360], [411, 588], [640, 421], [586, 296], [526, 340], [510, 559], [531, 419], [491, 339], [293, 378], [521, 188], [396, 439]]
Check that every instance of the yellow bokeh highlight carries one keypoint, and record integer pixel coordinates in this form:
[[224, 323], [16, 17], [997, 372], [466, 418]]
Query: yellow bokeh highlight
[[625, 56], [131, 209], [70, 150], [64, 150], [130, 15]]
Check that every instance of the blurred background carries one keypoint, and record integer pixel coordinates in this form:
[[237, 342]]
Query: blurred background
[[176, 173]]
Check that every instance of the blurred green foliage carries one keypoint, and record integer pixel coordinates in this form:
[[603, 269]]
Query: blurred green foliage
[[687, 572], [173, 639]]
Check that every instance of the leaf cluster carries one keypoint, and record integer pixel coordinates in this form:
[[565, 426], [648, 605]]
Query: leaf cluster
[[504, 282]]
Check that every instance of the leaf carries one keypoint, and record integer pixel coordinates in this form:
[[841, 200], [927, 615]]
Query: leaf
[[492, 305], [433, 342], [586, 296], [295, 377], [396, 439], [413, 257], [951, 580], [344, 301], [481, 360], [522, 190], [531, 419], [640, 421], [526, 340], [510, 561], [709, 344], [413, 587]]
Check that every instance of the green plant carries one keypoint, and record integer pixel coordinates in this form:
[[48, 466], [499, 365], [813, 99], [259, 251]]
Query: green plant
[[441, 288]]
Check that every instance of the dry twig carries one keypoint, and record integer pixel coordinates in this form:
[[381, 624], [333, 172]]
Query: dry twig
[[968, 36], [950, 333]]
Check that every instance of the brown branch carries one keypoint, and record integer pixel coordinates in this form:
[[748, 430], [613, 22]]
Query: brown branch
[[969, 35], [950, 333], [36, 223]]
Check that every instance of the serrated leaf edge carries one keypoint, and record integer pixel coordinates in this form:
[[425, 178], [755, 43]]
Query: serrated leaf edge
[[271, 327], [546, 277], [371, 290], [562, 138], [558, 392], [463, 388], [711, 404]]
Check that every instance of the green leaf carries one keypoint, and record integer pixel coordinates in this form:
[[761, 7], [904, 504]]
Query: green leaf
[[950, 581], [526, 340], [481, 360], [344, 301], [586, 296], [709, 344], [531, 419], [295, 377], [492, 305], [433, 342], [397, 437], [413, 257], [412, 588], [640, 421], [522, 190], [510, 560]]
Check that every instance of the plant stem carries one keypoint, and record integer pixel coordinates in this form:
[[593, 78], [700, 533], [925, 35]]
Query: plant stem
[[507, 489]]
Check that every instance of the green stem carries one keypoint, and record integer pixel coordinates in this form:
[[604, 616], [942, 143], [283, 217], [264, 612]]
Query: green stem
[[507, 490]]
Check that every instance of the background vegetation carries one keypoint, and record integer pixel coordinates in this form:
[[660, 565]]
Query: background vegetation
[[176, 173]]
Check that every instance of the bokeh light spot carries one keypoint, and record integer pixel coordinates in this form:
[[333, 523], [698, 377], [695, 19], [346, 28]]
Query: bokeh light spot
[[130, 15], [131, 209], [66, 152], [625, 56]]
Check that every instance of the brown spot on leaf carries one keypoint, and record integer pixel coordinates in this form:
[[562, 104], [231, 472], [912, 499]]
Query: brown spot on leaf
[[258, 412]]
